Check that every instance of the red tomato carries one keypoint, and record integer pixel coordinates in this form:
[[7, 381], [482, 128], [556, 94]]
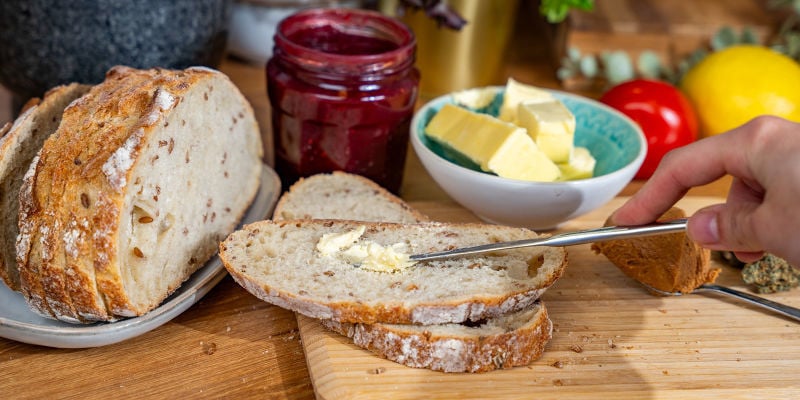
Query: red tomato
[[661, 110]]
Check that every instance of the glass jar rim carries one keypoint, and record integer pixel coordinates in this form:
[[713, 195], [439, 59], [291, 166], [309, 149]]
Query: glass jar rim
[[363, 21]]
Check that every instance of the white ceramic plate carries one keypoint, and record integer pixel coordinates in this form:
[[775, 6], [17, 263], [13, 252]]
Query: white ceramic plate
[[18, 322]]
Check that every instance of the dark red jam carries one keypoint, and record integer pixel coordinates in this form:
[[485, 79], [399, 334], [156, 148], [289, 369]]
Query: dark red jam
[[342, 86]]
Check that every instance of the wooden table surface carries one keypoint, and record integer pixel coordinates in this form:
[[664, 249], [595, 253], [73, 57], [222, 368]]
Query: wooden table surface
[[230, 344]]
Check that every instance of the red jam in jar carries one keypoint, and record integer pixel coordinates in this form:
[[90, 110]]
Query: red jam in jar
[[342, 86]]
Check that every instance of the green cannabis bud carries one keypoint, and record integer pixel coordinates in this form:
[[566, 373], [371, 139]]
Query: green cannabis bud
[[771, 274]]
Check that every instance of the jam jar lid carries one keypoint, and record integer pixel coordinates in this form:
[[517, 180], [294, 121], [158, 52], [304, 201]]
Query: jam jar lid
[[291, 39]]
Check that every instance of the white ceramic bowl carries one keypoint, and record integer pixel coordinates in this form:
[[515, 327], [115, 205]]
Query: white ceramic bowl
[[253, 24], [616, 142]]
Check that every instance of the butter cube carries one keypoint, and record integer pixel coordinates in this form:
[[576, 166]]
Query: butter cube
[[517, 93], [475, 98], [551, 125], [580, 166], [494, 145]]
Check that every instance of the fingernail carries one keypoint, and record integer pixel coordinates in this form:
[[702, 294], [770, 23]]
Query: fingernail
[[703, 227]]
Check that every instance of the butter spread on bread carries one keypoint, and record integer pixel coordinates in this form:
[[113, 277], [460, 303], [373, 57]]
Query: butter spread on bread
[[367, 255], [132, 193]]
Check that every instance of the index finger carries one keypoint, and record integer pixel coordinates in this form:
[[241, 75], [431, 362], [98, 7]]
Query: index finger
[[699, 163]]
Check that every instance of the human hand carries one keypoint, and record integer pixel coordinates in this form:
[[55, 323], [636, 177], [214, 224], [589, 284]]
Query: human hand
[[762, 210]]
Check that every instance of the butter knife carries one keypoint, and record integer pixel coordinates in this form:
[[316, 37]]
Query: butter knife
[[565, 239]]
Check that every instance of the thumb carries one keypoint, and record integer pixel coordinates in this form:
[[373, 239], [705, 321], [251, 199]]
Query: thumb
[[726, 227]]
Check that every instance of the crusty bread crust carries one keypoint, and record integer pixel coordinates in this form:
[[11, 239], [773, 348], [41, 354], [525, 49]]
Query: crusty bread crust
[[671, 263], [122, 162], [437, 348], [19, 144], [255, 256]]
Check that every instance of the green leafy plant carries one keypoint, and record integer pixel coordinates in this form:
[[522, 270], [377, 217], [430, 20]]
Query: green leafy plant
[[613, 67], [557, 10]]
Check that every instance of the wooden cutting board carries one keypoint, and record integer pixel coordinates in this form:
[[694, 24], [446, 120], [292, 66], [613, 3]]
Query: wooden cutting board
[[611, 340]]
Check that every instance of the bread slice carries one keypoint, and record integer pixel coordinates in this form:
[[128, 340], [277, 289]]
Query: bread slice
[[166, 165], [507, 341], [277, 261], [18, 146], [341, 195], [671, 263]]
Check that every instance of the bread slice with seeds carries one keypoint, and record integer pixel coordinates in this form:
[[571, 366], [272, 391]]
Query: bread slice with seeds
[[341, 195], [278, 262], [167, 164], [19, 144]]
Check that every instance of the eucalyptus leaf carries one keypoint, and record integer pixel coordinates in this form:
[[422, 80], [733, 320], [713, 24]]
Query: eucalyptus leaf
[[564, 73], [649, 64], [589, 67], [618, 67], [574, 54], [725, 37], [748, 36]]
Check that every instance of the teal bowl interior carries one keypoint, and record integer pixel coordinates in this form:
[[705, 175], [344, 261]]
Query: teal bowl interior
[[610, 136]]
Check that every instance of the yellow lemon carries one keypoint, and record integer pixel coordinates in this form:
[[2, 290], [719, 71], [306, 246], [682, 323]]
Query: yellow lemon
[[734, 85]]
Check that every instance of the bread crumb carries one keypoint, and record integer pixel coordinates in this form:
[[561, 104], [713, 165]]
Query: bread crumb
[[376, 371], [558, 382], [209, 347], [576, 348], [662, 311], [557, 364], [665, 372]]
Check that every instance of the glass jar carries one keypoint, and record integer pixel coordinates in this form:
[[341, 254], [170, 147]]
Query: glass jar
[[342, 86]]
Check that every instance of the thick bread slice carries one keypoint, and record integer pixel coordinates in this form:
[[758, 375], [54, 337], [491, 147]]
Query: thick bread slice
[[46, 276], [503, 342], [17, 149], [168, 163], [671, 263], [341, 195], [278, 262]]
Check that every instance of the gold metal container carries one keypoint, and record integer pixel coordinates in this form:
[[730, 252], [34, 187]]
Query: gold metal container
[[453, 60]]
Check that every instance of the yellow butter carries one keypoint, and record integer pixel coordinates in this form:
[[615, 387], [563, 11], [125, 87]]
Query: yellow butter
[[475, 98], [365, 254], [552, 127], [517, 93], [580, 166], [496, 146], [332, 243]]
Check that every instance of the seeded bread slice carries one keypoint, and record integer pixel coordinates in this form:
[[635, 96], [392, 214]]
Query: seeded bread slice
[[167, 164], [277, 261], [507, 341], [341, 195], [18, 146]]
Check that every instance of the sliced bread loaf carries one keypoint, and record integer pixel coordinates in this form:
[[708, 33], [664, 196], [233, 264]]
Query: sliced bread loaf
[[18, 146], [671, 263], [278, 262], [146, 173], [507, 341]]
